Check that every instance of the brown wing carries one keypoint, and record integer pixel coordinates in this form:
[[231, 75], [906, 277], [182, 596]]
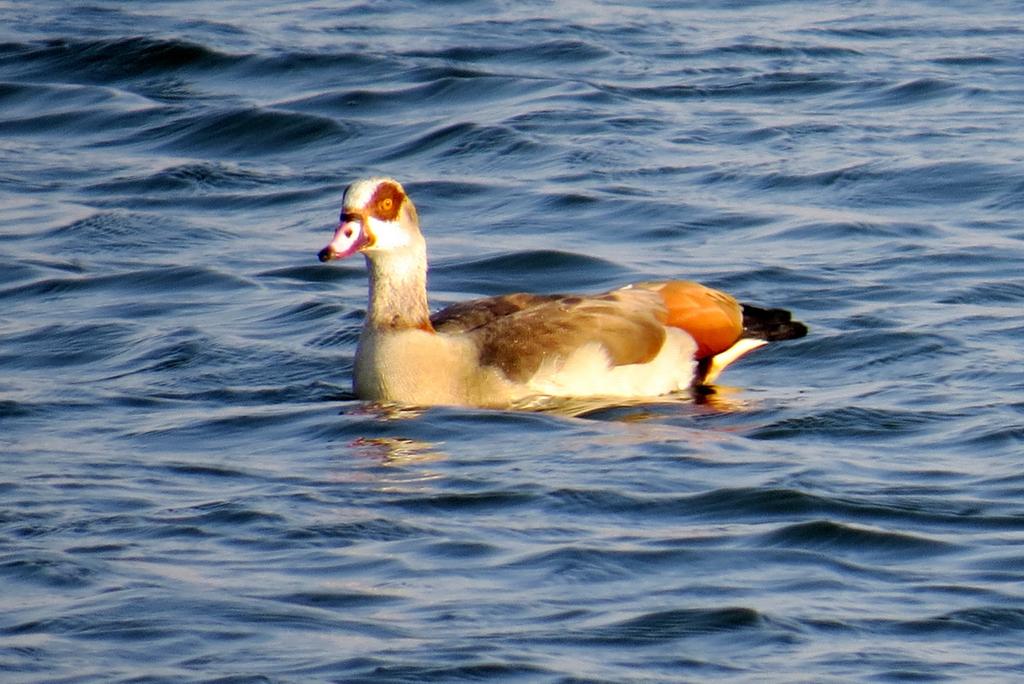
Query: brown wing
[[517, 333], [466, 316]]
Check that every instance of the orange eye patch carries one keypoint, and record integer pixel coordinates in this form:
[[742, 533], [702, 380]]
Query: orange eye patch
[[386, 201]]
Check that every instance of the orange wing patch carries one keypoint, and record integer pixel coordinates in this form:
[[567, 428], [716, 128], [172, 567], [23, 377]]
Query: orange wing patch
[[712, 318]]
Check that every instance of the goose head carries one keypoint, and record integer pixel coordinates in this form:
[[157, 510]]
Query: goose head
[[376, 216]]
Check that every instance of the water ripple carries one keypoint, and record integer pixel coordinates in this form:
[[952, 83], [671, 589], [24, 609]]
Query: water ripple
[[671, 625], [245, 132], [112, 60]]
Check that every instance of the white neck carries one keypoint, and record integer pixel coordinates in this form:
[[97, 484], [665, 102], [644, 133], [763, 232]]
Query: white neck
[[398, 287]]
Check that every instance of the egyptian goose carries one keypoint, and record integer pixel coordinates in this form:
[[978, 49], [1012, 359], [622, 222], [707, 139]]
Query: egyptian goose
[[642, 340]]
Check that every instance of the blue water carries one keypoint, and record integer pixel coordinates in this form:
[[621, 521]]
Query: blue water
[[189, 491]]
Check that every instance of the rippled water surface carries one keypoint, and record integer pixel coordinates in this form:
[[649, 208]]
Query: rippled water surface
[[189, 491]]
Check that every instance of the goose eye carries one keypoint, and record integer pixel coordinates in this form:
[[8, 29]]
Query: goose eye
[[386, 204]]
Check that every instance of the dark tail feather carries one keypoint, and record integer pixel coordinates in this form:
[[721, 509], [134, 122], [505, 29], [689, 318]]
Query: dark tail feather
[[771, 324]]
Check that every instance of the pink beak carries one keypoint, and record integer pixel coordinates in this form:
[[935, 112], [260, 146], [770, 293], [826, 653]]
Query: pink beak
[[349, 238]]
